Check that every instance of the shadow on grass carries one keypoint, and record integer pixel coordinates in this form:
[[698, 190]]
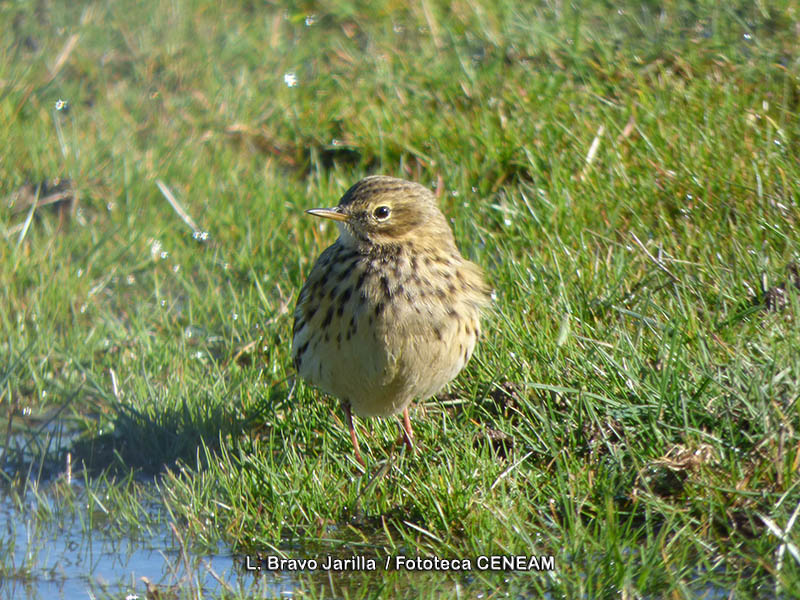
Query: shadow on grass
[[149, 441]]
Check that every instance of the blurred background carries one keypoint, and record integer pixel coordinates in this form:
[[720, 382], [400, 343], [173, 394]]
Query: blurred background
[[626, 173]]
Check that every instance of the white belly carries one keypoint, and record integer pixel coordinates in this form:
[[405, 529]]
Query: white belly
[[386, 362]]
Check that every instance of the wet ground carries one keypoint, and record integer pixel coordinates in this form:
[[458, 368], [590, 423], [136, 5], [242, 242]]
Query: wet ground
[[58, 540], [58, 556]]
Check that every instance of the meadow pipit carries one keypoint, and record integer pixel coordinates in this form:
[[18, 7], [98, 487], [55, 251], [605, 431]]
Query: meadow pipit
[[390, 311]]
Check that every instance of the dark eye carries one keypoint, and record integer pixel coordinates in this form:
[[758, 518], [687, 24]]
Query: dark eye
[[381, 213]]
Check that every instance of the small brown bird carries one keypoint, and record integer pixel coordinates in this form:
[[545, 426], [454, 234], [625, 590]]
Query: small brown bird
[[390, 311]]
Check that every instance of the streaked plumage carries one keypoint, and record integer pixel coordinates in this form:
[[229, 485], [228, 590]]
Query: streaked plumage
[[391, 311]]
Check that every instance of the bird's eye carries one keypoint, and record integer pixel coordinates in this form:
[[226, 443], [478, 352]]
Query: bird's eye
[[381, 213]]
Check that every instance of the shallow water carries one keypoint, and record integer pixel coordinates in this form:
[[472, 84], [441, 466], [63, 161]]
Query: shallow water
[[58, 542], [60, 558]]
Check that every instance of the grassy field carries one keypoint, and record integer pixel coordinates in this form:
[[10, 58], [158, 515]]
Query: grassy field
[[627, 175]]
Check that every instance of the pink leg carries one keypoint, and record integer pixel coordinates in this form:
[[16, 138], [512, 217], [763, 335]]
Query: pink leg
[[408, 434], [348, 413]]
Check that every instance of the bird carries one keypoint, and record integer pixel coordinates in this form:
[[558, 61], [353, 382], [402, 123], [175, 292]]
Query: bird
[[391, 311]]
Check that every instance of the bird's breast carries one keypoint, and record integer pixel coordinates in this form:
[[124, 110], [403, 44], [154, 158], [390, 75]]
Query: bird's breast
[[378, 331]]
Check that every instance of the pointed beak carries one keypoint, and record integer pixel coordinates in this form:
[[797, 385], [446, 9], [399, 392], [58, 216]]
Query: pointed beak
[[328, 213]]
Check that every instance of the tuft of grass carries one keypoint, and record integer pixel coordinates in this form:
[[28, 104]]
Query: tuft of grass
[[627, 177]]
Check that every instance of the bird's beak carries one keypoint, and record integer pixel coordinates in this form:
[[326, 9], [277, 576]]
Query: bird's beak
[[328, 213]]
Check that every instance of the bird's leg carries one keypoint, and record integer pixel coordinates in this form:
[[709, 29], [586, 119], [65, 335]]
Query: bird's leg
[[408, 434], [348, 413]]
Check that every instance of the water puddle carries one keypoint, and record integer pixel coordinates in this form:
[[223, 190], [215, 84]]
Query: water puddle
[[47, 551], [59, 540]]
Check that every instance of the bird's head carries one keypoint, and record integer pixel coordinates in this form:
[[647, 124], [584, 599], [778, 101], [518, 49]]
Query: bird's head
[[380, 211]]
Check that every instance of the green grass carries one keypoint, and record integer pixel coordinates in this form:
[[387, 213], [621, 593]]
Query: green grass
[[626, 174]]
